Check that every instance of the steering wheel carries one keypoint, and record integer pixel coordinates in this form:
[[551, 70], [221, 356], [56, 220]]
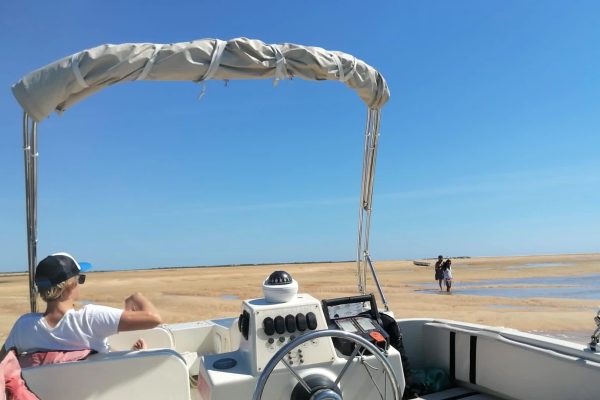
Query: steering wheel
[[320, 392]]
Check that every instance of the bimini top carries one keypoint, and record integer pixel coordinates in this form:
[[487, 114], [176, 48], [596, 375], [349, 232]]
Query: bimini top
[[59, 85]]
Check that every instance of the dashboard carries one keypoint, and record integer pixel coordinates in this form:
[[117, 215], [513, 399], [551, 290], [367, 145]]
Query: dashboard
[[356, 314]]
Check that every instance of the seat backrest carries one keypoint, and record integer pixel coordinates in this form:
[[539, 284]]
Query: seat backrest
[[155, 338], [149, 374]]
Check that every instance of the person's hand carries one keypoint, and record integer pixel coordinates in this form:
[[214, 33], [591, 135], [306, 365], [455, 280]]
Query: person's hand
[[131, 304], [139, 313], [140, 344], [135, 302]]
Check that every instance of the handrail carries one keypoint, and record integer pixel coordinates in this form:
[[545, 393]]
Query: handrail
[[376, 279]]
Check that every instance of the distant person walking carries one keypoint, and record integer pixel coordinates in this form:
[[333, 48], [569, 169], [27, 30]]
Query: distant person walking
[[447, 272], [439, 272]]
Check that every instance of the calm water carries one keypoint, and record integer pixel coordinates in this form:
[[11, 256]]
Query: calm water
[[573, 287], [581, 337], [540, 265]]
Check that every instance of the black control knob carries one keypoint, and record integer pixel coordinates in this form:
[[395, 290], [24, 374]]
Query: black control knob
[[301, 322], [281, 339], [290, 323], [244, 324], [271, 340], [279, 325], [311, 321], [269, 326]]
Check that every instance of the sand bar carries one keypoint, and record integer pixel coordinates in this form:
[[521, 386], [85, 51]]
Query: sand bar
[[190, 294]]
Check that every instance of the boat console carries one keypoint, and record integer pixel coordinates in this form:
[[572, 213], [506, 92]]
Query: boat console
[[266, 327], [281, 319]]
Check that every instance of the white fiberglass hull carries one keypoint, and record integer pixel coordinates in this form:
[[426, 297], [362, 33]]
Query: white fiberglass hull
[[495, 362]]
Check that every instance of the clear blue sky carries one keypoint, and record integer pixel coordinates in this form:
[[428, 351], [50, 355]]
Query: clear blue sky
[[489, 144]]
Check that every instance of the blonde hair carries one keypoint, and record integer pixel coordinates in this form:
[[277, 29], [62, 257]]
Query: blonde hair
[[55, 292]]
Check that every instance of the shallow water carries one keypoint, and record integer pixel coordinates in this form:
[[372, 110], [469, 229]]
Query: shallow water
[[569, 287], [580, 280], [527, 292], [581, 337], [540, 265]]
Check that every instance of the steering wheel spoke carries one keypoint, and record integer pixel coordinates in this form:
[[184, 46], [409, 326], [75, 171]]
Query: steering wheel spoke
[[298, 377], [357, 348]]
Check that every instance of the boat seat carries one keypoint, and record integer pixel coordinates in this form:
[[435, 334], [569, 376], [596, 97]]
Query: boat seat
[[148, 374], [457, 393], [155, 338], [490, 362]]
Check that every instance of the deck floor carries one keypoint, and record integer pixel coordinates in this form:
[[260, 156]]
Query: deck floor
[[456, 394]]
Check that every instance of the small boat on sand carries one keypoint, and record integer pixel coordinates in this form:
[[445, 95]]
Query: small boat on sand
[[421, 263]]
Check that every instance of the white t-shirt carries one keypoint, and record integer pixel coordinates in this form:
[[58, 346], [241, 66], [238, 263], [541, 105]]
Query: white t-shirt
[[448, 274], [86, 328]]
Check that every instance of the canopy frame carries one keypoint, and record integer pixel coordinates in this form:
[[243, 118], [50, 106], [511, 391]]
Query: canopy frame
[[363, 258], [63, 83]]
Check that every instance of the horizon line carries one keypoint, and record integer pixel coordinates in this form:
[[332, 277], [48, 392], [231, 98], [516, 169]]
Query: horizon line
[[124, 269]]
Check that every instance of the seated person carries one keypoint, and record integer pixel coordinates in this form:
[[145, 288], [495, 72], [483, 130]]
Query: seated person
[[61, 327]]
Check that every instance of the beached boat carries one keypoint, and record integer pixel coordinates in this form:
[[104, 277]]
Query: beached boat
[[287, 345], [421, 263]]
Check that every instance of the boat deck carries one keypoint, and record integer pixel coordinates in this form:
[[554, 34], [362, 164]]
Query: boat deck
[[456, 394]]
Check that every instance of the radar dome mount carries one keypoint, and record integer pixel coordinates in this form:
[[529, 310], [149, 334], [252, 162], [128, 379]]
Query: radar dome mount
[[280, 287]]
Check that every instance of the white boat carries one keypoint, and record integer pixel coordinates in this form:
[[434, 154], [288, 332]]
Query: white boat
[[288, 345]]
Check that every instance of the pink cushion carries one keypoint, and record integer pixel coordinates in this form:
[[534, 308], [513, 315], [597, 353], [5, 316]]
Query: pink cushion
[[11, 380], [52, 357]]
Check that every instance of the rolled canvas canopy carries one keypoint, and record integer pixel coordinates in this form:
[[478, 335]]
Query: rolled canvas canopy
[[59, 85]]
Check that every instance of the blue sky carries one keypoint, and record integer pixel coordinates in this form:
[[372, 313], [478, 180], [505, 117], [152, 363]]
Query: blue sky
[[489, 144]]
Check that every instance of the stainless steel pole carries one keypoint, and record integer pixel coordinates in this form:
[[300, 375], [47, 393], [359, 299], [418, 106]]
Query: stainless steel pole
[[366, 203], [359, 246], [367, 192], [33, 204], [379, 288], [372, 161], [27, 150]]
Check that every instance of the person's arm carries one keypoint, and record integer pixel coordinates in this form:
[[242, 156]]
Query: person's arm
[[139, 313]]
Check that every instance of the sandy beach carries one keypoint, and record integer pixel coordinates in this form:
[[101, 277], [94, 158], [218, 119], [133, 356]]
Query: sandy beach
[[189, 294]]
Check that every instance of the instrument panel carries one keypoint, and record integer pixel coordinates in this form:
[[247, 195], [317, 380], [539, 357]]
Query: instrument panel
[[359, 315], [267, 327]]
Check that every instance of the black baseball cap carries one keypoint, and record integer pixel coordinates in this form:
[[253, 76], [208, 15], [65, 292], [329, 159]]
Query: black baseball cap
[[57, 268]]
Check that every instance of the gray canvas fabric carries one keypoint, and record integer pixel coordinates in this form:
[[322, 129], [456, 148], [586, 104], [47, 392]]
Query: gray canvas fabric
[[59, 85]]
